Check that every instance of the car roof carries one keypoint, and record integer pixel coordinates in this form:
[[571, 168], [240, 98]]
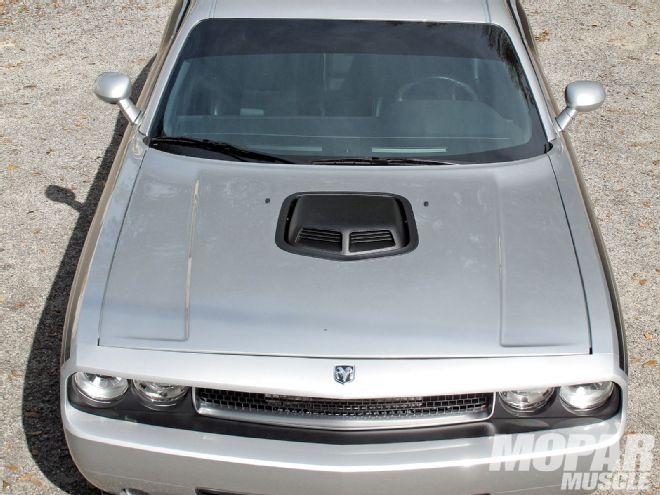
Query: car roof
[[474, 11]]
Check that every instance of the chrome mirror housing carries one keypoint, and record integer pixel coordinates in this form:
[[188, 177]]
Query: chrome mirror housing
[[581, 96], [115, 88]]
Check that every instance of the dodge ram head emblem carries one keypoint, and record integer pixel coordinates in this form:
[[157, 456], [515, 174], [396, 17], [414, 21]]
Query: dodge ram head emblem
[[344, 374]]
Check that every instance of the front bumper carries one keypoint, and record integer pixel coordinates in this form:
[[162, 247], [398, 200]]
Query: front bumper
[[114, 455]]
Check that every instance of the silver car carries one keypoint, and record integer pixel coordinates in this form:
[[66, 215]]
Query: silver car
[[344, 249]]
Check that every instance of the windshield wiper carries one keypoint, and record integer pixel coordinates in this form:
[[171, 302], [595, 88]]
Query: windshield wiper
[[382, 161], [240, 154]]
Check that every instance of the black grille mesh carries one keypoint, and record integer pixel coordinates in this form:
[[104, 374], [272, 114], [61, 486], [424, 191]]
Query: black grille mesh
[[397, 408]]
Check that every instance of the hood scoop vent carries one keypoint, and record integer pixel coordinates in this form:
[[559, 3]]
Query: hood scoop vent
[[346, 226], [329, 240], [371, 240]]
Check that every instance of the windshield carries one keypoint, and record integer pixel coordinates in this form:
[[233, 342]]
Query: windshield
[[310, 90]]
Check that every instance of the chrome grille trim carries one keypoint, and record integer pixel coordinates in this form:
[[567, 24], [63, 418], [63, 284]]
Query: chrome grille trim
[[344, 414]]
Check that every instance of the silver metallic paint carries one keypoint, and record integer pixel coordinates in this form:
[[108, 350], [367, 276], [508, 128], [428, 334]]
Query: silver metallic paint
[[581, 96], [116, 454], [585, 96], [495, 259], [115, 88], [607, 335], [112, 87]]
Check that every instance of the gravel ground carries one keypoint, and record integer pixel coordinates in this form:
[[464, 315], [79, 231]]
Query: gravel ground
[[57, 143]]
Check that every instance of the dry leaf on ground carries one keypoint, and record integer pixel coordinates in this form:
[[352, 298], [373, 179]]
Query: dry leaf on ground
[[543, 36]]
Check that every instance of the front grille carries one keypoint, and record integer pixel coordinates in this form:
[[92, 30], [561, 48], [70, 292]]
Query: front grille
[[344, 414]]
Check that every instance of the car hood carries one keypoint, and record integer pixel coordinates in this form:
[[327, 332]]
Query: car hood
[[197, 269]]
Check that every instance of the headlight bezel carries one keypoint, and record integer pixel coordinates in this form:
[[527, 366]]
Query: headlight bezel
[[601, 400], [147, 393], [516, 400], [558, 407], [84, 383], [130, 396]]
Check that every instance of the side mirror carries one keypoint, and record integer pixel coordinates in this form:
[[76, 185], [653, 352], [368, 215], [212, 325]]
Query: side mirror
[[581, 96], [115, 88]]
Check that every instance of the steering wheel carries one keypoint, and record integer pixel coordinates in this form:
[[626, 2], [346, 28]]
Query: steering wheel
[[403, 90]]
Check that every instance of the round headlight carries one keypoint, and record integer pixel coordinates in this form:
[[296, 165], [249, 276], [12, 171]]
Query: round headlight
[[159, 394], [587, 396], [100, 389], [527, 400]]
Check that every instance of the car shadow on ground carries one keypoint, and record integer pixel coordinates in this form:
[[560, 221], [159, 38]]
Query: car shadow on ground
[[41, 413]]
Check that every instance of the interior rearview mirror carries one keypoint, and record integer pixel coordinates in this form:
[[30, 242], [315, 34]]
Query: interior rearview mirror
[[581, 96], [115, 88]]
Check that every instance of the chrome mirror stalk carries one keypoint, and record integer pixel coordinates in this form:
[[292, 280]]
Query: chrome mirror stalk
[[115, 88], [581, 96]]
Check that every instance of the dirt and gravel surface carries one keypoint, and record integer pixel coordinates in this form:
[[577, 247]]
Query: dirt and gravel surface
[[57, 142]]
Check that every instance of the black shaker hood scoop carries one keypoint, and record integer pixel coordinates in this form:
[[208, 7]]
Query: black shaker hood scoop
[[346, 226]]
